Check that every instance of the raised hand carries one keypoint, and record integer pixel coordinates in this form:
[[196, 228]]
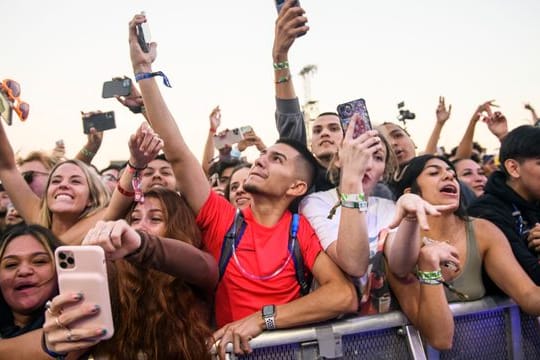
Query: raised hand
[[133, 101], [442, 113], [117, 238], [251, 139], [484, 110], [144, 146], [290, 23], [215, 119], [497, 124], [141, 61], [411, 207]]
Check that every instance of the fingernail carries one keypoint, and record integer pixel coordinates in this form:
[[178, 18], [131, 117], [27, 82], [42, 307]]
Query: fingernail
[[95, 309], [102, 332], [78, 296]]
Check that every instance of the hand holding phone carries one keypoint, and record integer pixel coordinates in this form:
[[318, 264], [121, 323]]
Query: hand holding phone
[[230, 137], [6, 112], [100, 121], [348, 109], [82, 269], [116, 87], [143, 35]]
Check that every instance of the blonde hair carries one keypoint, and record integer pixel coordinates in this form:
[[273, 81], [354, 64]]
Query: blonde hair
[[98, 195]]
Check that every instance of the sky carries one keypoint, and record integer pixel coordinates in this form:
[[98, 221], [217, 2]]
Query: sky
[[219, 53]]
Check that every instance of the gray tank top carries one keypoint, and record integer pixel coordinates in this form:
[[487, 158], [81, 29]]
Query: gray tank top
[[469, 282]]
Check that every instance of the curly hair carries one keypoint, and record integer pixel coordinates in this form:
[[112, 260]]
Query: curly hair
[[157, 315]]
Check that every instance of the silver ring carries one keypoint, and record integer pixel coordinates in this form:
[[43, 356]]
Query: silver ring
[[69, 336]]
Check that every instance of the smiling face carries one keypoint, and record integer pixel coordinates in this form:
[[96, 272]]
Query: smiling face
[[237, 195], [158, 173], [472, 174], [149, 217], [27, 276], [438, 184], [326, 137], [68, 190]]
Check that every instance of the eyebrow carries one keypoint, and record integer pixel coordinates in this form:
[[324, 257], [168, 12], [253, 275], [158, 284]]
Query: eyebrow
[[19, 256], [438, 167], [277, 153]]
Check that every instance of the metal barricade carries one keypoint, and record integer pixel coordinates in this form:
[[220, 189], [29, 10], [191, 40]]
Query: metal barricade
[[490, 328]]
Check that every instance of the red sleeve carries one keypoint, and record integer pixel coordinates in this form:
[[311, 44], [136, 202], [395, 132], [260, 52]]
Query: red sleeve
[[309, 243]]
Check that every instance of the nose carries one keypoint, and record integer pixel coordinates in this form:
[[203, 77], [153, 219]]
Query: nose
[[25, 269]]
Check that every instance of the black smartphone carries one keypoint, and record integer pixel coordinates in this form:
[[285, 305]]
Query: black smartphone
[[348, 109], [120, 87], [143, 35], [6, 112], [99, 121], [279, 4]]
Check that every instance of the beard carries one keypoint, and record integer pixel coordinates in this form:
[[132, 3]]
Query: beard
[[252, 188]]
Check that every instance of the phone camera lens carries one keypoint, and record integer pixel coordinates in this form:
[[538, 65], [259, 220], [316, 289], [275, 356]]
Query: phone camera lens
[[62, 256], [71, 260], [63, 265]]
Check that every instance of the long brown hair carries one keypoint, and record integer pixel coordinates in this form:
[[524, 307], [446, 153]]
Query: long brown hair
[[158, 315]]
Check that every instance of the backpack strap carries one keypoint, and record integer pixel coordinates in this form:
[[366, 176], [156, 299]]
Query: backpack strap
[[300, 272], [232, 238]]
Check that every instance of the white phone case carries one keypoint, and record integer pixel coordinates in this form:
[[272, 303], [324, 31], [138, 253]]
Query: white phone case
[[83, 269]]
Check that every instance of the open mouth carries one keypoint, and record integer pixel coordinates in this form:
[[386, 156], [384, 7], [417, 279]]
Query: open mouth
[[63, 197], [449, 189], [24, 287]]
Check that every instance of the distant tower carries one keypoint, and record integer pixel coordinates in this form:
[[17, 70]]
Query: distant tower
[[310, 106]]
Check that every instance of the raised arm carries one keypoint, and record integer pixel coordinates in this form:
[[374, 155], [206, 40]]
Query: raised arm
[[90, 149], [192, 182], [442, 114], [208, 155], [23, 198], [289, 117], [465, 147], [534, 116]]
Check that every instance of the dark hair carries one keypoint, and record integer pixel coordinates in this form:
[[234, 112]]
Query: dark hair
[[520, 144], [307, 161], [326, 113], [227, 191], [407, 178], [219, 166], [112, 167]]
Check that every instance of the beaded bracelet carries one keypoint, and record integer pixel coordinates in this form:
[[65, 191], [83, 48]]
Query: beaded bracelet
[[281, 65], [430, 277], [283, 79], [89, 154], [124, 192]]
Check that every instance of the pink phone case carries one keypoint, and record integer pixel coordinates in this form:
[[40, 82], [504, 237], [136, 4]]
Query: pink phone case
[[231, 137], [83, 269]]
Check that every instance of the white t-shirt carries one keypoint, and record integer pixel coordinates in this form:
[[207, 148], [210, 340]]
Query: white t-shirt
[[316, 206]]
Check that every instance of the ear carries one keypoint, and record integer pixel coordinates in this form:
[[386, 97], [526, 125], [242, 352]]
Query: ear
[[407, 190], [297, 188], [512, 167]]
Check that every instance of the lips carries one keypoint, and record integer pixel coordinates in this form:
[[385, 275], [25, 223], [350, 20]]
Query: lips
[[242, 201], [63, 196], [326, 142], [24, 285], [449, 189]]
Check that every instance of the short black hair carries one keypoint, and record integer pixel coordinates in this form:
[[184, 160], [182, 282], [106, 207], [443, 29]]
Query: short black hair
[[306, 158], [219, 166], [112, 167], [519, 144]]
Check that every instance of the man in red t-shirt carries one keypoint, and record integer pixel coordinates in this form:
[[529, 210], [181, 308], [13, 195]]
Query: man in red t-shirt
[[259, 290]]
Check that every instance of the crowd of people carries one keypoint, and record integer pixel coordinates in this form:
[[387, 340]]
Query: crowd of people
[[210, 253]]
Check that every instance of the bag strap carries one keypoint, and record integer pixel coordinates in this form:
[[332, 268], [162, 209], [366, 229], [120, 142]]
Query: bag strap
[[233, 236]]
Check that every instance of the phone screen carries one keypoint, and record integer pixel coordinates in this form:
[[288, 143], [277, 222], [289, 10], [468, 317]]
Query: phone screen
[[348, 109], [6, 112]]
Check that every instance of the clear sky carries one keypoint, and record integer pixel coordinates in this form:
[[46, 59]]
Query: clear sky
[[219, 52]]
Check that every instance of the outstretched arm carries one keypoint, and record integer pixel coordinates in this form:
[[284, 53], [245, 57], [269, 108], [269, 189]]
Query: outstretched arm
[[443, 114], [192, 182], [289, 116], [534, 116], [88, 151], [465, 147], [208, 155]]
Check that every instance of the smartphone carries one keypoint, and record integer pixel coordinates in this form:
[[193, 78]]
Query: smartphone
[[100, 121], [83, 269], [280, 3], [347, 110], [230, 137], [6, 112], [120, 87], [143, 35]]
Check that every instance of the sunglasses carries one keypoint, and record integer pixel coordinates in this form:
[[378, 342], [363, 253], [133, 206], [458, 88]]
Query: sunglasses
[[29, 175], [12, 89]]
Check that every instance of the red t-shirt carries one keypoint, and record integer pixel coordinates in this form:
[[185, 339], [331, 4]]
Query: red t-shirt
[[237, 295]]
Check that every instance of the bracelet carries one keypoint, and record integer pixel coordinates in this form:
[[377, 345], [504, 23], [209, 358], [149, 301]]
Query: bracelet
[[212, 130], [354, 201], [124, 192], [137, 109], [51, 353], [430, 277], [87, 153], [283, 79], [281, 65], [410, 218], [146, 75], [136, 168]]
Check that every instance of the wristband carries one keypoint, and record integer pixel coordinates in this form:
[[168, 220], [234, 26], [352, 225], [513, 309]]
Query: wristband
[[124, 192], [146, 75], [430, 277], [51, 353], [283, 79], [354, 201], [281, 65], [133, 169], [87, 153]]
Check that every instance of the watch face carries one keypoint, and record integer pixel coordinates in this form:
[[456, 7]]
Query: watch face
[[268, 310]]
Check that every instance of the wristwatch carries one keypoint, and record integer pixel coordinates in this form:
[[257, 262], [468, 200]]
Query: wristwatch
[[269, 316]]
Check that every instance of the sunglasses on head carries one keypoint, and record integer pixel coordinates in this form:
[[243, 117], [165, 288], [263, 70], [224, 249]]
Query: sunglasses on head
[[12, 89], [29, 175]]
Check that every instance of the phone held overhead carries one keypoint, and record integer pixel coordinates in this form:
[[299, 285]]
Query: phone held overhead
[[116, 87], [143, 35], [230, 137], [348, 109], [98, 120]]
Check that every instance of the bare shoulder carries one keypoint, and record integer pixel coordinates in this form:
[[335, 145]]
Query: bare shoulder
[[487, 233]]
